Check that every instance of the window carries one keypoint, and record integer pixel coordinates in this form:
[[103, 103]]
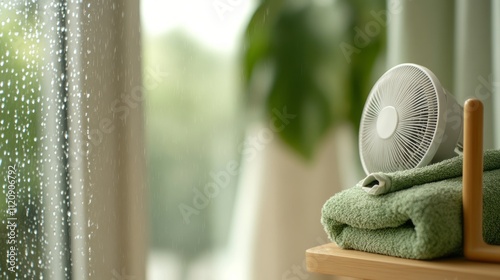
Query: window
[[71, 161], [34, 132], [193, 127]]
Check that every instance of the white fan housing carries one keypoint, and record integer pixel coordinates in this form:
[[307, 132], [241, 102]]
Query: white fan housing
[[408, 121]]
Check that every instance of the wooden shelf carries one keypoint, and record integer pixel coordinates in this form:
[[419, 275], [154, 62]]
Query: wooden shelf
[[330, 259]]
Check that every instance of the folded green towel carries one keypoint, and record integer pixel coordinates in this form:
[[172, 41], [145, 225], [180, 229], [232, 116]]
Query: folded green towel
[[380, 183], [421, 222]]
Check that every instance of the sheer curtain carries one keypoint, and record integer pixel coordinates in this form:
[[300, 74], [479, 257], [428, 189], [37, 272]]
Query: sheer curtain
[[106, 127], [278, 209], [459, 42]]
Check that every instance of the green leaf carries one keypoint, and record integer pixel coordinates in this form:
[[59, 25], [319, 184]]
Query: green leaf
[[257, 35], [298, 43]]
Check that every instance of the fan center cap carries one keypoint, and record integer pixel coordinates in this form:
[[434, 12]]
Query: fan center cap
[[387, 122]]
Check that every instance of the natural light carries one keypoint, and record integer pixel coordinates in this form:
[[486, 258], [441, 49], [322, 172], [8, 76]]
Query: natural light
[[192, 124]]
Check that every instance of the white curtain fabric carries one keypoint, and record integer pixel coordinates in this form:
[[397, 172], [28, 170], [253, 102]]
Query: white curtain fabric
[[495, 9], [278, 208], [107, 150], [455, 40]]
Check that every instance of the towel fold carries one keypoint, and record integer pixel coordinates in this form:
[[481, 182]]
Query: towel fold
[[381, 183], [421, 222]]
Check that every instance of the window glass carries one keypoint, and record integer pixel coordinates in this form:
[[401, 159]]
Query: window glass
[[193, 128], [33, 140], [22, 238]]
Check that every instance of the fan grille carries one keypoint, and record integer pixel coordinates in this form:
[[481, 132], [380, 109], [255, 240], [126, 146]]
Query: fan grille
[[410, 90]]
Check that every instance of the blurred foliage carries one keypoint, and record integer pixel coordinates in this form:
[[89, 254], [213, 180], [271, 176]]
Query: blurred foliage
[[316, 58], [192, 130], [19, 135]]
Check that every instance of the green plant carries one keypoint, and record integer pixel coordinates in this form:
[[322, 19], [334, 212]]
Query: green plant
[[314, 66]]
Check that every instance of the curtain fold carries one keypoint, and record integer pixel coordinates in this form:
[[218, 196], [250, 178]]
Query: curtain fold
[[458, 41], [107, 142], [421, 32], [495, 15], [278, 210], [473, 53]]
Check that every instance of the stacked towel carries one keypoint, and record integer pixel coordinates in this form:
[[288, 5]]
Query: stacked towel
[[421, 221]]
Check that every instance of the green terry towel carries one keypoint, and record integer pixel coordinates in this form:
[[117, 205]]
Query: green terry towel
[[380, 183], [421, 222]]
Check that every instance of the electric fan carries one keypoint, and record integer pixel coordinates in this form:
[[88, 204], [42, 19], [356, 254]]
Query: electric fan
[[408, 121]]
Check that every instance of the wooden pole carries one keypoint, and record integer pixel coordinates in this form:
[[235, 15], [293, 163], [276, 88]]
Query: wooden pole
[[474, 246]]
